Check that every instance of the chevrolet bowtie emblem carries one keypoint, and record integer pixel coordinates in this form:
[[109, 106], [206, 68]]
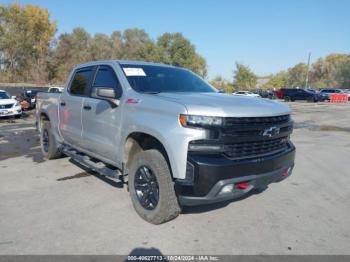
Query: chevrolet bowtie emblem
[[272, 131]]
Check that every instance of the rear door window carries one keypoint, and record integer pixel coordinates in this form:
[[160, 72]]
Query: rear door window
[[81, 81]]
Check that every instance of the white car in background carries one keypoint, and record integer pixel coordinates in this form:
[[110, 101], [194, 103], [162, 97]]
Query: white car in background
[[55, 89], [245, 93], [9, 106]]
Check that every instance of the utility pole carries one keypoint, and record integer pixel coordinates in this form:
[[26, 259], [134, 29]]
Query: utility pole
[[307, 73]]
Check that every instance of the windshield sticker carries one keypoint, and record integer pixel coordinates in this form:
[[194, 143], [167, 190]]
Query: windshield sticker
[[132, 71]]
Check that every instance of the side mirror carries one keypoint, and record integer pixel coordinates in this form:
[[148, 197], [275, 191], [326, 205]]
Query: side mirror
[[107, 93], [13, 97]]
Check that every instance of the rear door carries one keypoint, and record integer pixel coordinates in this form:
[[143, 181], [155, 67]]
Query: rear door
[[101, 118], [70, 105]]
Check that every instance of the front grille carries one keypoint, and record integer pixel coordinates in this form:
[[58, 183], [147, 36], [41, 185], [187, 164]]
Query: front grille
[[249, 137], [254, 121], [7, 106], [258, 148], [243, 137]]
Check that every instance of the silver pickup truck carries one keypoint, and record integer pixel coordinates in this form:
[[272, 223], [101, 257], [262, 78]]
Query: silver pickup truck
[[173, 139]]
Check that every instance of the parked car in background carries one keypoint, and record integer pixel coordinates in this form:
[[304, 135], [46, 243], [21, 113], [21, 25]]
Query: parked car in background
[[30, 97], [348, 92], [246, 93], [265, 93], [9, 106], [328, 91], [55, 89], [293, 94]]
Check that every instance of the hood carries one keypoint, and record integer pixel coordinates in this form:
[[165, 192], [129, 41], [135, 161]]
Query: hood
[[7, 101], [225, 105]]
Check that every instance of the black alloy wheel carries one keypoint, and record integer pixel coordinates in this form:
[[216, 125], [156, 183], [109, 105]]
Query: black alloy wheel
[[146, 188]]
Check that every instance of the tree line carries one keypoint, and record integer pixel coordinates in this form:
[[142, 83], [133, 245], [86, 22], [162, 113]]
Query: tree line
[[29, 52], [333, 71]]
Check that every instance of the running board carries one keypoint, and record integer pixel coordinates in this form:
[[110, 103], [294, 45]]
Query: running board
[[98, 167]]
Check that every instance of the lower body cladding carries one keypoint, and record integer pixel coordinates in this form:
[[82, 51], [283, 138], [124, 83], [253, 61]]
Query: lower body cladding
[[212, 179]]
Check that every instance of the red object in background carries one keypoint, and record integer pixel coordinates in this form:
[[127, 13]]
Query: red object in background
[[279, 94], [338, 98], [24, 105]]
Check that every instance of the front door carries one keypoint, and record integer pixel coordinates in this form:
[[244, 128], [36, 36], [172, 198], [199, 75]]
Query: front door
[[101, 118]]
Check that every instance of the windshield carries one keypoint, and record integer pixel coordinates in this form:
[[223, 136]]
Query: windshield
[[155, 79], [4, 95]]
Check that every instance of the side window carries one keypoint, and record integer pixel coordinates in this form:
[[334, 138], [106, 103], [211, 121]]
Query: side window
[[80, 82], [105, 77]]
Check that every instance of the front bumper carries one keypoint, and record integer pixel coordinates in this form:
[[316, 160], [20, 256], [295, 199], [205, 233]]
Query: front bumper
[[11, 111], [211, 174]]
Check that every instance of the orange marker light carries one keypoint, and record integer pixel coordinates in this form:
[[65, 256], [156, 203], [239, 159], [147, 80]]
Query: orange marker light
[[183, 120]]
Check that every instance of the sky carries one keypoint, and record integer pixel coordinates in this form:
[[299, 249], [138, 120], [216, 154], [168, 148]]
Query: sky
[[266, 35]]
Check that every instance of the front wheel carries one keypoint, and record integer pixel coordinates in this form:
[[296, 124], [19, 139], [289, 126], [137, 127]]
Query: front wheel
[[151, 187]]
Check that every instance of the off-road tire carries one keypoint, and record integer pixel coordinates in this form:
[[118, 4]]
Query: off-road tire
[[168, 207], [53, 151]]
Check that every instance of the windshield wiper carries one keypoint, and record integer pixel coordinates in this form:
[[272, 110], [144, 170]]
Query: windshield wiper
[[151, 92]]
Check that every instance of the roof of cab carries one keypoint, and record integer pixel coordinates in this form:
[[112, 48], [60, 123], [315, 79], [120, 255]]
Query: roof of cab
[[122, 62]]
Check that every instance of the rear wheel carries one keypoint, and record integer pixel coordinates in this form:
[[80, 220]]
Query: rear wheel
[[151, 187], [49, 146]]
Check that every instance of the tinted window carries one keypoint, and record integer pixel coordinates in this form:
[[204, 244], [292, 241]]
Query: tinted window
[[80, 82], [152, 78], [327, 91], [105, 77], [32, 93], [4, 95]]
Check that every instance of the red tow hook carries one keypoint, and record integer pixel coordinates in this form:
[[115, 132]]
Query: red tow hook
[[285, 173], [242, 185]]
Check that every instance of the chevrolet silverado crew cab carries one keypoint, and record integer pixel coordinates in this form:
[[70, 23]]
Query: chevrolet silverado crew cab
[[166, 133]]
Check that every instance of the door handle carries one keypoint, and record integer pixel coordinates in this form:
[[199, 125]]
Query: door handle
[[87, 107], [63, 103]]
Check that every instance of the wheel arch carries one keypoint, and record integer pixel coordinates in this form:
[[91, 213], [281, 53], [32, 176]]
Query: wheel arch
[[140, 141]]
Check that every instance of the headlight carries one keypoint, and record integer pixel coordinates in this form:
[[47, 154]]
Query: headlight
[[195, 120], [16, 104]]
